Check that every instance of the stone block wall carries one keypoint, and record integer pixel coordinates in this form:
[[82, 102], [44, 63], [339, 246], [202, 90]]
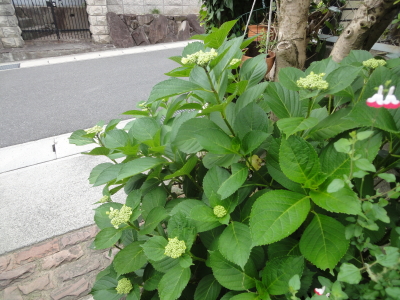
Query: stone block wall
[[97, 11], [128, 30], [10, 33], [165, 7], [61, 268]]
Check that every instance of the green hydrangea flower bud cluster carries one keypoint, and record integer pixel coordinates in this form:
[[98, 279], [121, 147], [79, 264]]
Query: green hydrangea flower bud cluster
[[95, 129], [200, 58], [313, 82], [175, 248], [105, 199], [119, 216], [124, 286], [234, 61], [373, 63], [220, 211]]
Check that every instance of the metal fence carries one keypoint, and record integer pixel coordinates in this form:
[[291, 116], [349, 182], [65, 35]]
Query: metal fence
[[52, 19]]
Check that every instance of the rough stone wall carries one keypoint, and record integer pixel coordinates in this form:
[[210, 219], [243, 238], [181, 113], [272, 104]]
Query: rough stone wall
[[10, 33], [97, 11], [128, 30], [165, 7], [60, 268]]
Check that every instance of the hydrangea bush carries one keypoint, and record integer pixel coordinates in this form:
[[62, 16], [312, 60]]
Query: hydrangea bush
[[224, 202]]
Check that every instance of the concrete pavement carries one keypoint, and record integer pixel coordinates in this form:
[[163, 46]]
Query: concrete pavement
[[45, 193]]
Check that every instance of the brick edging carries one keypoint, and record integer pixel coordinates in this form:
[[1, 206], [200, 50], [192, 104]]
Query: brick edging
[[63, 267]]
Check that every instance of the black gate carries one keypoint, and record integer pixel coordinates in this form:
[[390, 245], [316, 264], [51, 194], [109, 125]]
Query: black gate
[[52, 19]]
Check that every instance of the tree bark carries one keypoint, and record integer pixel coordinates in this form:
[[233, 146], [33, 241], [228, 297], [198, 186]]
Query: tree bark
[[292, 36], [368, 24]]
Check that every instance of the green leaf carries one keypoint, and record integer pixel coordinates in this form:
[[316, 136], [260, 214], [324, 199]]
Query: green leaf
[[322, 66], [289, 76], [101, 217], [335, 185], [344, 200], [136, 113], [97, 170], [180, 72], [234, 182], [144, 129], [207, 289], [365, 165], [171, 87], [214, 140], [216, 38], [108, 174], [254, 70], [186, 169], [236, 236], [341, 78], [349, 273], [389, 258], [252, 140], [78, 138], [362, 135], [387, 177], [204, 217], [230, 275], [279, 271], [186, 140], [250, 118], [157, 197], [98, 151], [343, 145], [155, 216], [134, 294], [151, 278], [154, 248], [250, 95], [277, 214], [285, 247], [298, 159], [211, 160], [107, 237], [246, 296], [139, 165], [332, 125], [115, 138], [213, 180], [166, 264], [333, 163], [294, 283], [192, 48], [292, 125], [173, 283], [283, 102], [356, 56], [323, 242], [129, 259]]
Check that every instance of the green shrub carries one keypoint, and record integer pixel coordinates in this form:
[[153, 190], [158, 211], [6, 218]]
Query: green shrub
[[224, 203]]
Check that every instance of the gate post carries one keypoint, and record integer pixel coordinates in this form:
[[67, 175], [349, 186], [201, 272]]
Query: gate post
[[97, 10], [10, 33]]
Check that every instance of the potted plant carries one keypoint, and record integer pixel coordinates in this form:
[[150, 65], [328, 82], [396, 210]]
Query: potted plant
[[261, 47]]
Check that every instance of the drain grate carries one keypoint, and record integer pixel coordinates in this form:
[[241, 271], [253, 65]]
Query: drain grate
[[8, 67]]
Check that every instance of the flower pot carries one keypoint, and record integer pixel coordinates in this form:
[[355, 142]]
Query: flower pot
[[270, 59], [256, 29]]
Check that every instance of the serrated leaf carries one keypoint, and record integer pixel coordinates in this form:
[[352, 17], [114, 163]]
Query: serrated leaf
[[139, 165], [341, 78], [364, 165], [234, 182], [343, 201], [173, 282], [130, 259], [108, 174], [283, 102], [98, 151], [107, 237], [143, 129], [218, 36], [214, 140], [289, 76], [97, 171], [186, 169], [78, 138], [279, 271], [323, 242], [349, 273], [230, 275], [252, 140], [285, 247], [246, 296], [298, 159], [115, 138], [171, 87], [155, 216], [166, 264], [250, 118], [236, 236], [290, 126], [335, 185], [277, 214], [151, 278], [207, 289]]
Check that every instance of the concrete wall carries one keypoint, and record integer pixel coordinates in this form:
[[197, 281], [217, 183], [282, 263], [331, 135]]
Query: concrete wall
[[166, 7]]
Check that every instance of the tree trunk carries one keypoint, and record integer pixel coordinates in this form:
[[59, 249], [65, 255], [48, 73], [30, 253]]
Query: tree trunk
[[368, 24], [292, 37]]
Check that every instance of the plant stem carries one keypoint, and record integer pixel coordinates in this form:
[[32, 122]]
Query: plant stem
[[133, 226], [195, 182], [196, 258]]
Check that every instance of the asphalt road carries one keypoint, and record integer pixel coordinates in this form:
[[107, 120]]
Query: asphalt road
[[45, 101]]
